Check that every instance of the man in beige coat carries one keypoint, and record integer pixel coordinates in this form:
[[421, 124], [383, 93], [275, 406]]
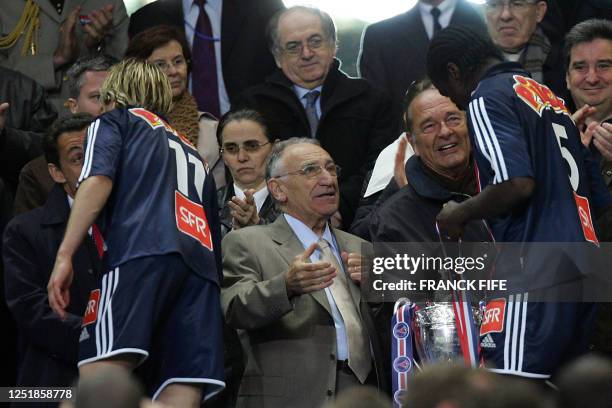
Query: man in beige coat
[[291, 289]]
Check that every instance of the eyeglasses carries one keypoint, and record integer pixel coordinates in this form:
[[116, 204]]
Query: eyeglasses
[[453, 120], [177, 63], [314, 170], [250, 146], [295, 48], [497, 6]]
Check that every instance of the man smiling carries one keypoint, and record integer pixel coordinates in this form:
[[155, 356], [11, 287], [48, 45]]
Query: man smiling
[[588, 51]]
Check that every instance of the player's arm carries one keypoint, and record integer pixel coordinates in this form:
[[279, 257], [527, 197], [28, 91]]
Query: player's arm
[[88, 202], [494, 200], [500, 141]]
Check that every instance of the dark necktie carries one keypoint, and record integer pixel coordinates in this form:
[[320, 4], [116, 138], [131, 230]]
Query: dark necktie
[[311, 111], [435, 12], [204, 73]]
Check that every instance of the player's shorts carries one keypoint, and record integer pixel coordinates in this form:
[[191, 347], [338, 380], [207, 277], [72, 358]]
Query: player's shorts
[[533, 339], [156, 308]]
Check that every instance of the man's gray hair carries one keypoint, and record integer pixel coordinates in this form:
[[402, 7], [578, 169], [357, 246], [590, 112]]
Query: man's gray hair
[[76, 73], [585, 32], [327, 23], [274, 161]]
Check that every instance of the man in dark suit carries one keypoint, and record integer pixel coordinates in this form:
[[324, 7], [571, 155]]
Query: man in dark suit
[[48, 345], [392, 54], [291, 289], [309, 96], [238, 28]]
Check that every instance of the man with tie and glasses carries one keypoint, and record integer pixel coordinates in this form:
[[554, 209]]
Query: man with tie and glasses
[[291, 290], [309, 96], [514, 27], [392, 54]]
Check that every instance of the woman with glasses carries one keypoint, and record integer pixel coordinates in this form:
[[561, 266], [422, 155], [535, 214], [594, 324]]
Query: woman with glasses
[[245, 145], [166, 47]]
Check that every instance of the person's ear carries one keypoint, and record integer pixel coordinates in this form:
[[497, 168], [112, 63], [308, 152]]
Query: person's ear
[[541, 8], [454, 72], [277, 58], [72, 105], [275, 187], [56, 174]]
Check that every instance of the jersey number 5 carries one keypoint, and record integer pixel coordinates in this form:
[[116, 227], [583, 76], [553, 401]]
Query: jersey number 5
[[582, 203]]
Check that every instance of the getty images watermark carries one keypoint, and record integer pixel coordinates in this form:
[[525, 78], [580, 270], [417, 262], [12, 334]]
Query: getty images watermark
[[550, 272]]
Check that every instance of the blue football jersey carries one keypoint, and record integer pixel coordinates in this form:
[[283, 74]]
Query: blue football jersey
[[519, 128], [163, 200]]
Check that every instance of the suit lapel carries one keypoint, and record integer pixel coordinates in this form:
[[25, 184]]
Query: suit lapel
[[414, 31], [288, 247], [232, 15]]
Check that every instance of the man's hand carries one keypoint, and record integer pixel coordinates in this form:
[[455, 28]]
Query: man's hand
[[602, 140], [353, 262], [101, 23], [399, 170], [244, 212], [58, 288], [451, 221], [66, 50], [581, 119], [304, 276], [3, 108]]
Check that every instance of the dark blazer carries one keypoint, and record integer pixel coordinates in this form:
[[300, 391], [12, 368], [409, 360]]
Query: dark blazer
[[355, 124], [48, 345], [267, 214], [394, 51], [245, 57], [289, 344], [27, 118]]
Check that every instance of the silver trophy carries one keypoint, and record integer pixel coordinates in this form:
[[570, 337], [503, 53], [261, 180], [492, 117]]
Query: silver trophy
[[436, 337]]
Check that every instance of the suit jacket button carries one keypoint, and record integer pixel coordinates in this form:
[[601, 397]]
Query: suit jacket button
[[330, 393]]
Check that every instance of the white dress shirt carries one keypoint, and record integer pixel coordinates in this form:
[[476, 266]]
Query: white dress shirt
[[447, 7]]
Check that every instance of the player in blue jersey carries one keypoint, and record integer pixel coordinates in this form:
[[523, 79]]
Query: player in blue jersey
[[157, 308], [537, 185]]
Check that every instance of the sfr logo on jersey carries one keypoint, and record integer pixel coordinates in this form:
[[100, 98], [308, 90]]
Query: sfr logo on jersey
[[493, 319], [91, 312], [191, 219]]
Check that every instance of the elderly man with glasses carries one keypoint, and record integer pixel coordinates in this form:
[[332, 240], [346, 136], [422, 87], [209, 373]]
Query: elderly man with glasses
[[291, 288], [309, 96], [514, 27]]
